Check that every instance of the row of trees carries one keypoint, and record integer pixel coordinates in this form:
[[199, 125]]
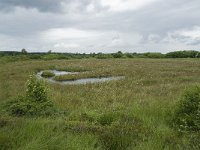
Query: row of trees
[[51, 55]]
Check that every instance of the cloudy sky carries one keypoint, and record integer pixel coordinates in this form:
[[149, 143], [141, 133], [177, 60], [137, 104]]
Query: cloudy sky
[[99, 25]]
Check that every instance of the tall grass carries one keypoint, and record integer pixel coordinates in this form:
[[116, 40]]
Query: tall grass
[[131, 113]]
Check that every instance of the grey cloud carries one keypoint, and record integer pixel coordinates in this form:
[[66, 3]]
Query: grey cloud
[[42, 5], [45, 5], [196, 42], [158, 18], [145, 28]]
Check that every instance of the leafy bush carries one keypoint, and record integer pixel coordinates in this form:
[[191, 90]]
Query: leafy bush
[[119, 54], [36, 101], [183, 54], [36, 89], [21, 106], [153, 55], [187, 115]]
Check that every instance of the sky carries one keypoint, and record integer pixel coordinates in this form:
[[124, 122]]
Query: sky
[[87, 26]]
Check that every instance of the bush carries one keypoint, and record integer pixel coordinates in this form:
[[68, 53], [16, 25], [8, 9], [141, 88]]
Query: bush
[[36, 90], [103, 56], [187, 115], [154, 55], [183, 54], [119, 54], [36, 101], [22, 106]]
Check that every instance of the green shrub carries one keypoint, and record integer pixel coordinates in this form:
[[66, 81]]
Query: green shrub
[[36, 90], [47, 74], [187, 115], [153, 55], [119, 54], [183, 54], [35, 103], [22, 106]]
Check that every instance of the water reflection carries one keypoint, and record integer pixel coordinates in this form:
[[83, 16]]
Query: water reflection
[[78, 81]]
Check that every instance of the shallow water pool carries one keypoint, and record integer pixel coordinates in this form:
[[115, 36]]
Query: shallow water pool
[[78, 81]]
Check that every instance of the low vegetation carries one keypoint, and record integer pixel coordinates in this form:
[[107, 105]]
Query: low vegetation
[[186, 119], [82, 75], [47, 74], [187, 115], [145, 110], [24, 55], [77, 69], [35, 103]]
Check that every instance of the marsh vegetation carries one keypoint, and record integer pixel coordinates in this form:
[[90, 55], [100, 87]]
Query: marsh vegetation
[[66, 77], [144, 110], [47, 74]]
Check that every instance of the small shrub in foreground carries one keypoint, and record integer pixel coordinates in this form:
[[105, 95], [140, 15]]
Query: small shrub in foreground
[[36, 90], [22, 106], [35, 103], [187, 115]]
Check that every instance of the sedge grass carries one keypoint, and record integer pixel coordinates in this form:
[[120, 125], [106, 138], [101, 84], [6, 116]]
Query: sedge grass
[[149, 93]]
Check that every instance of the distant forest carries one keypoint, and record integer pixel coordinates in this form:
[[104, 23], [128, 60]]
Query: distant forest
[[24, 54]]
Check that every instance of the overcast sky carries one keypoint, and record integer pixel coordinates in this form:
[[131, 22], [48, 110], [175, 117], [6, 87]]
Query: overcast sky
[[99, 25]]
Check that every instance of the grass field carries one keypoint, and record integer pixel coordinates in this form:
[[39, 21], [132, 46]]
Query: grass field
[[132, 113]]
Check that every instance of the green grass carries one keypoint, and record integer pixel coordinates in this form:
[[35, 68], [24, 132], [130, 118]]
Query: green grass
[[83, 75], [131, 113], [72, 69], [47, 74]]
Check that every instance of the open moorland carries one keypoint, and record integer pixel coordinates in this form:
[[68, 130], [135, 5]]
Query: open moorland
[[134, 112]]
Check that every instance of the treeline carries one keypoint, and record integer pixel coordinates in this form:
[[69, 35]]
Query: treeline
[[23, 55]]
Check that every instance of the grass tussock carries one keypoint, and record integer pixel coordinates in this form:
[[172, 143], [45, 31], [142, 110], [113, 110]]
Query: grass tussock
[[47, 74]]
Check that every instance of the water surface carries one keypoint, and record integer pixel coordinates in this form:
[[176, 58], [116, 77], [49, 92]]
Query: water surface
[[78, 81]]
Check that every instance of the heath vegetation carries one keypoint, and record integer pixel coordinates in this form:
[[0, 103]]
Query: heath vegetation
[[149, 108]]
